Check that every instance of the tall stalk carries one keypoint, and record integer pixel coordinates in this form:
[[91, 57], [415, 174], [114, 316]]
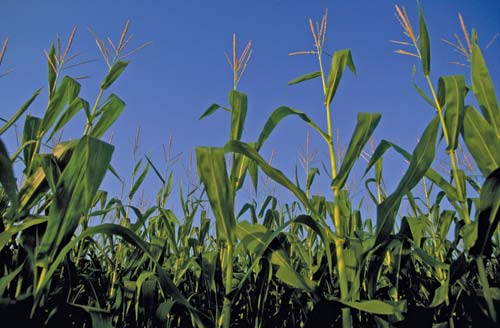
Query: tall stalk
[[319, 38]]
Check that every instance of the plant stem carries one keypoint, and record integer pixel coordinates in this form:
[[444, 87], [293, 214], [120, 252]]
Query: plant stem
[[225, 318], [94, 110], [339, 243]]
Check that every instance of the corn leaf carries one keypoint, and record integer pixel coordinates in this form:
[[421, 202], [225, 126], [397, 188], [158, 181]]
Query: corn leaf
[[276, 175], [483, 88], [279, 114], [367, 122], [239, 103], [111, 110], [76, 188], [481, 140], [420, 162], [488, 214], [424, 45], [115, 71], [213, 173], [305, 77], [340, 60], [451, 91], [19, 112]]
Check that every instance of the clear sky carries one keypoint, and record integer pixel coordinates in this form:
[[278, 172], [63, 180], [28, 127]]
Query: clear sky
[[170, 83]]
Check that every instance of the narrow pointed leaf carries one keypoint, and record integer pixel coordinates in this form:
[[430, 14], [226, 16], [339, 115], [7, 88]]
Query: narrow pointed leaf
[[276, 175], [76, 188], [424, 45], [7, 179], [115, 71], [19, 112], [305, 77], [483, 89], [420, 162], [213, 173], [488, 214], [340, 60], [111, 110], [481, 140], [367, 122], [239, 103], [67, 91], [279, 114], [452, 90]]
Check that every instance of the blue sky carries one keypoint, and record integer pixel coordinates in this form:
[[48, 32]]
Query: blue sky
[[170, 83]]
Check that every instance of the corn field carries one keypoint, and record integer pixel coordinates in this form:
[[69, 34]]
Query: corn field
[[73, 256]]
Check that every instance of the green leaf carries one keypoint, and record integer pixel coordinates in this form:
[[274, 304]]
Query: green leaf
[[310, 177], [8, 180], [452, 91], [483, 88], [431, 174], [424, 45], [111, 110], [30, 132], [7, 279], [7, 235], [419, 89], [19, 112], [305, 77], [212, 171], [69, 113], [239, 104], [166, 283], [138, 183], [367, 122], [288, 274], [212, 110], [115, 71], [376, 306], [276, 175], [420, 162], [279, 114], [340, 60], [440, 294], [76, 190], [100, 318], [51, 68], [67, 91], [481, 140], [488, 214]]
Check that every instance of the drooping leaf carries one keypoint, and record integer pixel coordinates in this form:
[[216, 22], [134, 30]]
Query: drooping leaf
[[279, 114], [431, 174], [212, 110], [276, 175]]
